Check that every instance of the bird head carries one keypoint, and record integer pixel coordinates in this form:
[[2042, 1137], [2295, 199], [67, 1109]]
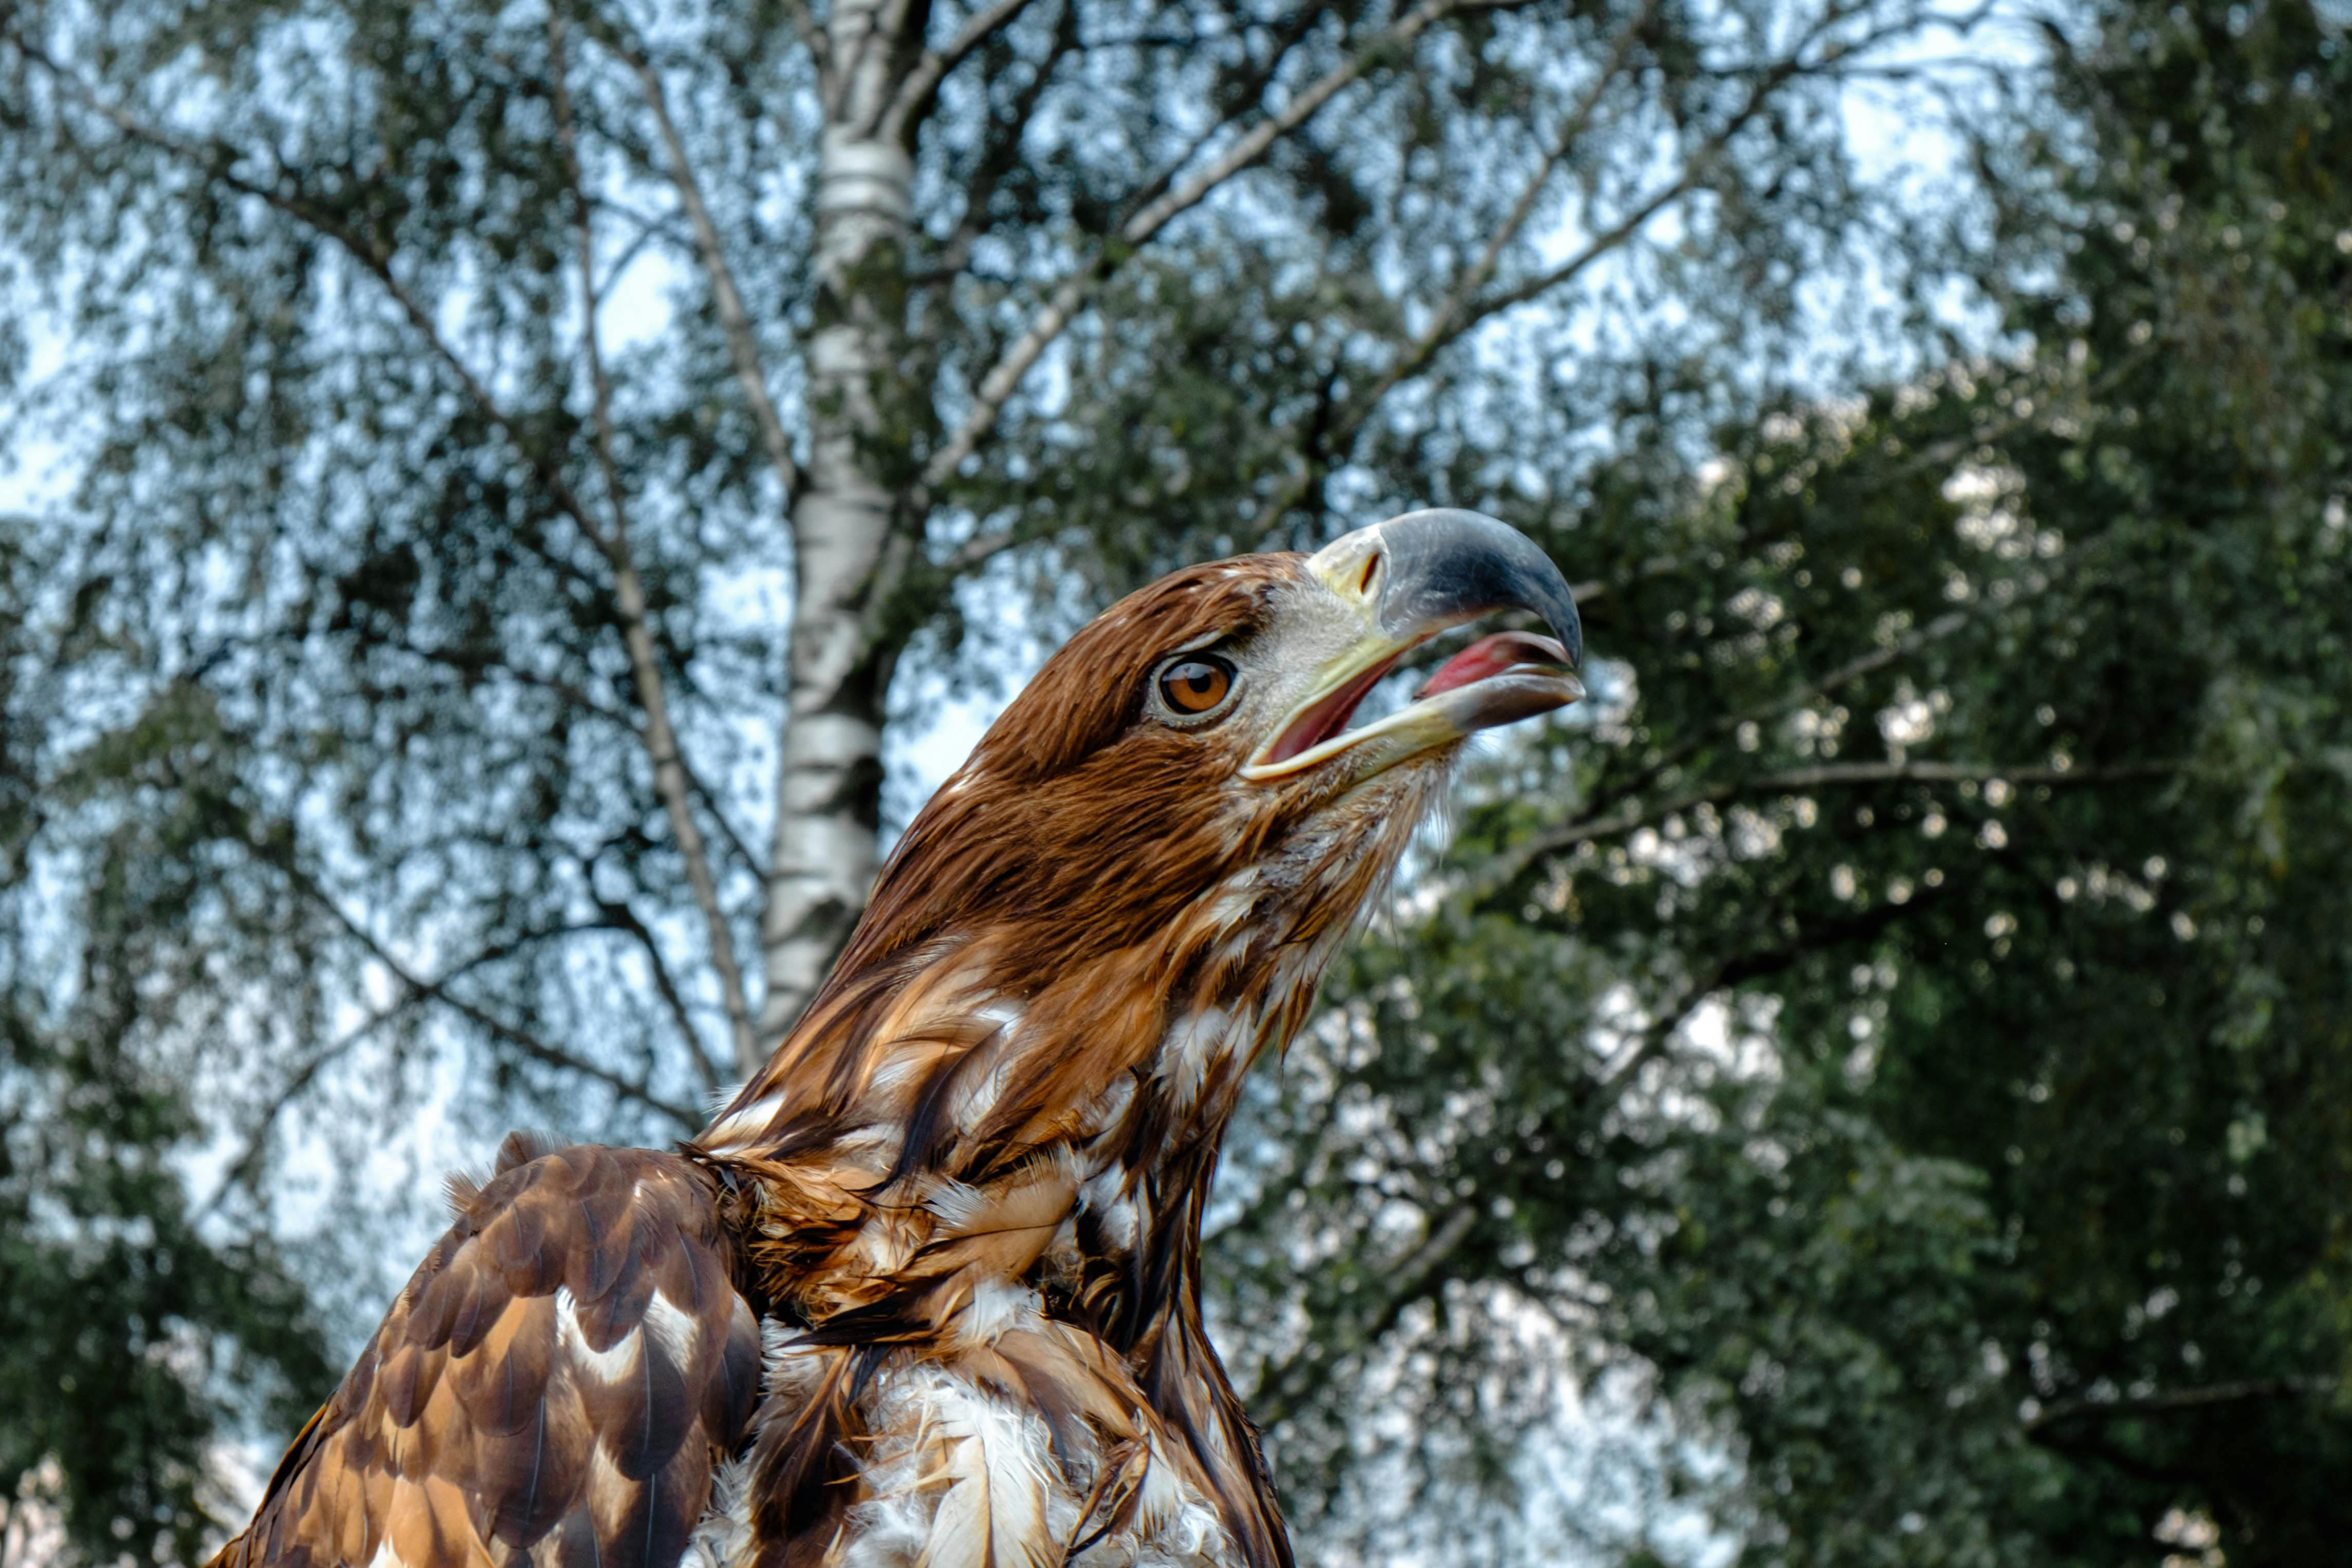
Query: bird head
[[1193, 743]]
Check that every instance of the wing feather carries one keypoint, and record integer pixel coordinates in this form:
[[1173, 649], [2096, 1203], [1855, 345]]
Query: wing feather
[[558, 1380]]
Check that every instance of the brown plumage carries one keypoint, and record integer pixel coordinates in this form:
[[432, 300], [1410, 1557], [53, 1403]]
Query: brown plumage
[[962, 1201], [559, 1372]]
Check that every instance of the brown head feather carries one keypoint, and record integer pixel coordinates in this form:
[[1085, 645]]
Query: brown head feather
[[1015, 843]]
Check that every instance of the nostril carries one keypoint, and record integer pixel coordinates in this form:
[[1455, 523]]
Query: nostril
[[1372, 570]]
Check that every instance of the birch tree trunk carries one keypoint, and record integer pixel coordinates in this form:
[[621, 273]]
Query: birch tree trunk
[[829, 777]]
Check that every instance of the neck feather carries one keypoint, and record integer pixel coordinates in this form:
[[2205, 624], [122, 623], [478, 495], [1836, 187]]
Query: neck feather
[[1010, 1101]]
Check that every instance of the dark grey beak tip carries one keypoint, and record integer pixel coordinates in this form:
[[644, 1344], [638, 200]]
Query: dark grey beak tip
[[1446, 566]]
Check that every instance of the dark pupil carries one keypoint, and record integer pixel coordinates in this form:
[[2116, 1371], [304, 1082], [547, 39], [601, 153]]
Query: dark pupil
[[1196, 684]]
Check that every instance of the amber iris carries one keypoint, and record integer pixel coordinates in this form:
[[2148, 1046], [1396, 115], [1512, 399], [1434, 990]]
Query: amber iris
[[1196, 684]]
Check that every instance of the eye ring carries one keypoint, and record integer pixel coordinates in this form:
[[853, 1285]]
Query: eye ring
[[1195, 686]]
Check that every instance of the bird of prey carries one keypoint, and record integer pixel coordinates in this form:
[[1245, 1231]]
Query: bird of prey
[[928, 1291]]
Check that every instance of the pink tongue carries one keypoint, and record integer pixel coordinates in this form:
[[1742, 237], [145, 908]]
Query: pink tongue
[[1491, 655]]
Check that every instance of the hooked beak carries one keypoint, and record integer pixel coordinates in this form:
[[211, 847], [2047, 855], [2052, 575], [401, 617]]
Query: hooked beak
[[1405, 581]]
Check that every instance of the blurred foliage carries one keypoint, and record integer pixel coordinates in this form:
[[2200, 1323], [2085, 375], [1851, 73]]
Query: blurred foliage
[[125, 1327], [1906, 1023]]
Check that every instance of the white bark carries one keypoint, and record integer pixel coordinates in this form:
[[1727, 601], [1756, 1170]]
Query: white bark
[[829, 784]]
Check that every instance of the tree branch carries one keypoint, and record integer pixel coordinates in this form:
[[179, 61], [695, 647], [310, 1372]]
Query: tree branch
[[1854, 669], [1461, 312], [1281, 1389], [625, 918], [215, 160], [1658, 1034], [998, 385], [1000, 154], [812, 38], [912, 100], [1418, 1275], [1600, 245], [597, 708], [2173, 1401], [1590, 822], [1455, 314], [734, 322], [660, 738], [1442, 328], [247, 1164], [1508, 865], [438, 990], [1248, 88], [1739, 968]]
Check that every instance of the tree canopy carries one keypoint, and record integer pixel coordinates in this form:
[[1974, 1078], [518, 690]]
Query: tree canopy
[[1883, 1057]]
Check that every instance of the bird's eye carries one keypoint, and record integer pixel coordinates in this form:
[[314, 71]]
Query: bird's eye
[[1195, 684]]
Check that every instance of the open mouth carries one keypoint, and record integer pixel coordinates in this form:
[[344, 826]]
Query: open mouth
[[1502, 677], [1325, 717], [1498, 653]]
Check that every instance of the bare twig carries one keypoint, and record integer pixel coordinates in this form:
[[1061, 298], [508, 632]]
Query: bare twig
[[734, 322], [909, 103], [1419, 1273], [597, 708], [1940, 453], [1281, 1388], [1457, 320], [997, 386], [1945, 625], [624, 918], [629, 594], [1506, 867], [645, 229], [2175, 1400]]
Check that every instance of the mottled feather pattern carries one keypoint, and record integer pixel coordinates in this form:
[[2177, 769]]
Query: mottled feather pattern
[[555, 1385]]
